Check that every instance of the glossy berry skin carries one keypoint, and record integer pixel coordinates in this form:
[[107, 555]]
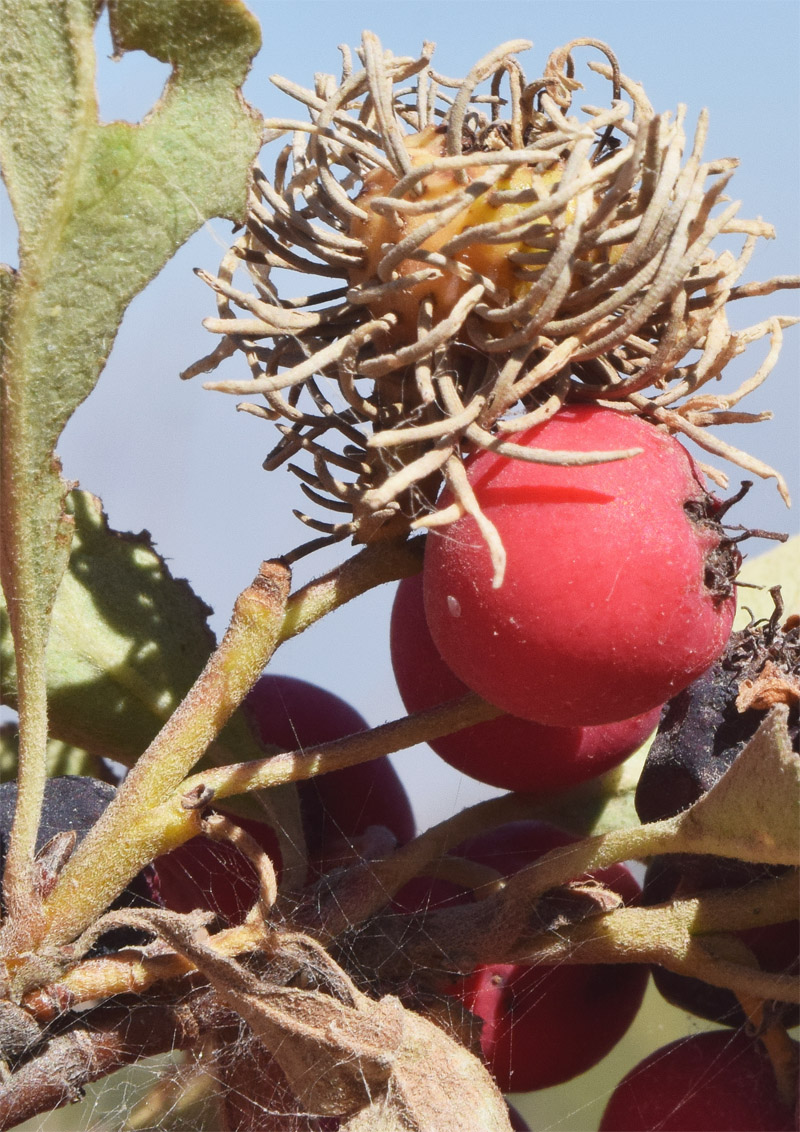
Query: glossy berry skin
[[507, 752], [712, 1082], [605, 611], [541, 1025]]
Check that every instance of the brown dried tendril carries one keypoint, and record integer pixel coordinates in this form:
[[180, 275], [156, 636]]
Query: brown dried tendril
[[489, 257]]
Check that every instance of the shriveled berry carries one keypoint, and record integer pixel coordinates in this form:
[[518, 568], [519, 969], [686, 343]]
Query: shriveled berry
[[707, 725]]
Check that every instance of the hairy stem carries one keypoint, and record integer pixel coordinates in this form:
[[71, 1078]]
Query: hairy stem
[[127, 837], [381, 562], [678, 935], [294, 766]]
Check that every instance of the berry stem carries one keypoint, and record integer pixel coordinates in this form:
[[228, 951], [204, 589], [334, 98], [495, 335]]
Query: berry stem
[[512, 927], [130, 972], [779, 1047], [137, 826], [363, 892], [294, 766], [375, 564], [673, 935]]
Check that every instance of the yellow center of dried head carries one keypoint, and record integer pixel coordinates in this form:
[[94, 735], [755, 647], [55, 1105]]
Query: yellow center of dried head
[[487, 259]]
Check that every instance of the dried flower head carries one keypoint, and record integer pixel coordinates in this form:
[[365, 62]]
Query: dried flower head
[[493, 255]]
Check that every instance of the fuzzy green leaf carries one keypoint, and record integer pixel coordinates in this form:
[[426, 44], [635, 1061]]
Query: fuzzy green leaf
[[100, 210], [126, 641]]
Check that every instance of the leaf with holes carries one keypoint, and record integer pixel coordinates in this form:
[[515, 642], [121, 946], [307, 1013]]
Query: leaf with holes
[[100, 208]]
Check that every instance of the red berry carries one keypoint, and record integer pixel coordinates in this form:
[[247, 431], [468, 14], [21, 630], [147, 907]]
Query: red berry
[[512, 753], [611, 601], [542, 1025], [337, 808], [343, 804], [713, 1082], [545, 1025]]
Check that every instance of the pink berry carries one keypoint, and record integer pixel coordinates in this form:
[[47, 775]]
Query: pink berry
[[617, 588], [508, 752]]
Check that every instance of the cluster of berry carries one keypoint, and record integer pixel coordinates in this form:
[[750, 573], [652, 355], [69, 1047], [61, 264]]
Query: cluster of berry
[[617, 598]]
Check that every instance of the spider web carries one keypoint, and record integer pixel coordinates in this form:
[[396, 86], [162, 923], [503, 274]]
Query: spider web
[[180, 1092]]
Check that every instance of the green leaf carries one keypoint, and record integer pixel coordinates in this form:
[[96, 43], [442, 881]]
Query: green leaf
[[47, 96], [127, 640], [753, 812], [100, 210]]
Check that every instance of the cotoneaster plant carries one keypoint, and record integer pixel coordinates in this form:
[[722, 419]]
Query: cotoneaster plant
[[774, 947], [545, 1025], [522, 309]]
